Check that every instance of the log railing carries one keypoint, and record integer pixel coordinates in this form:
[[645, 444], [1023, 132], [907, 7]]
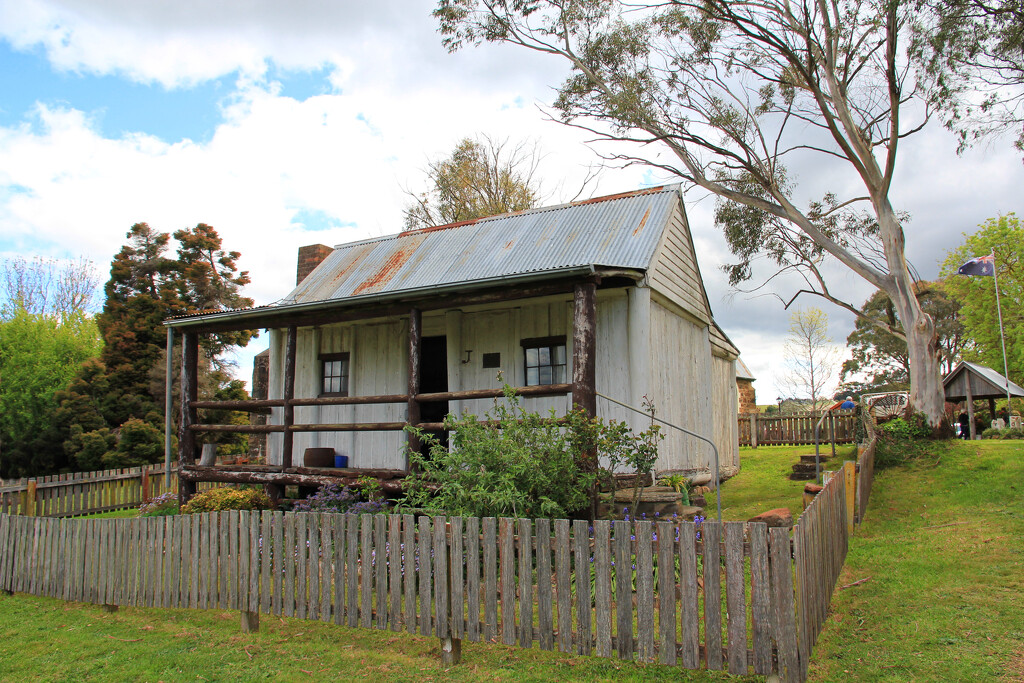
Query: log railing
[[257, 405]]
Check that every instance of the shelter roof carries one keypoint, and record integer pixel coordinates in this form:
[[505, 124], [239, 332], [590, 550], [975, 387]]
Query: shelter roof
[[985, 383], [742, 371]]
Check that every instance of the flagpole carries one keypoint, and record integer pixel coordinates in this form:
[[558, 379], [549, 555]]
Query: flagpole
[[1002, 337]]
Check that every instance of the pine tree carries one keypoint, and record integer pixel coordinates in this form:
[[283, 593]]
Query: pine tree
[[125, 388]]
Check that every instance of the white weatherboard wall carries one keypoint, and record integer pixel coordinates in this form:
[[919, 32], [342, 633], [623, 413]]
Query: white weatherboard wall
[[682, 383], [724, 393], [643, 348]]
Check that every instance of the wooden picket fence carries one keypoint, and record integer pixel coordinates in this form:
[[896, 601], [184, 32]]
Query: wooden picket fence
[[820, 543], [865, 477], [633, 590], [85, 493], [758, 429]]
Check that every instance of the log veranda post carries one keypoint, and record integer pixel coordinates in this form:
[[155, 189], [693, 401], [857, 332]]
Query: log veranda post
[[584, 366], [290, 349], [413, 405], [189, 389]]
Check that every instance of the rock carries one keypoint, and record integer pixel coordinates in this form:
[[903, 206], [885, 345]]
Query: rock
[[629, 480], [812, 489], [701, 490], [779, 517]]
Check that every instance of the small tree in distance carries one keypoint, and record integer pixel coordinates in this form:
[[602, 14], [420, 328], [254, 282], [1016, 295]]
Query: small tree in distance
[[482, 177], [811, 358]]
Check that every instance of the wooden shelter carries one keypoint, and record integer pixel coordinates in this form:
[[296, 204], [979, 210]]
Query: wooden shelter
[[970, 382], [565, 303]]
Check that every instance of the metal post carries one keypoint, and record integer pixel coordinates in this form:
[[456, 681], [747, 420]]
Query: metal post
[[168, 403], [1002, 337]]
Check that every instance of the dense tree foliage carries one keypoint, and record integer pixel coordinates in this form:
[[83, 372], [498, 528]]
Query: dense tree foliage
[[727, 96], [482, 177], [1005, 236], [879, 359], [973, 51], [39, 355], [112, 414]]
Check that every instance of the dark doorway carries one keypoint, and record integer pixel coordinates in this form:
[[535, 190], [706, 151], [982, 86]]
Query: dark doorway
[[434, 378]]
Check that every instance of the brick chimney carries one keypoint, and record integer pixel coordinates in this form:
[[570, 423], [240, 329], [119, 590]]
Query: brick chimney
[[310, 257]]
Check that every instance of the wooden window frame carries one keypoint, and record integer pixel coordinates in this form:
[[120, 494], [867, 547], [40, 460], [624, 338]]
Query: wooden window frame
[[550, 343], [326, 358]]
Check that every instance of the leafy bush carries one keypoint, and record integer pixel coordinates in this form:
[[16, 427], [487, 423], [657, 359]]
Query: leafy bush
[[514, 463], [679, 482], [1007, 433], [226, 498], [334, 498], [638, 452], [163, 505], [905, 439]]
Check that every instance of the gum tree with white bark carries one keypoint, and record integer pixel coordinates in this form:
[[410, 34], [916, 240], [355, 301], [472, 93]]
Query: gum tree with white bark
[[726, 96]]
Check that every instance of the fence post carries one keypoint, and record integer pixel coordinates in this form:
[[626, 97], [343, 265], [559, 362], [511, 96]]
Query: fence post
[[850, 474], [146, 489], [29, 506], [753, 430], [250, 622]]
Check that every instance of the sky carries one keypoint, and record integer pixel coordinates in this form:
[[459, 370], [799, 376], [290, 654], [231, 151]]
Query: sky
[[285, 124]]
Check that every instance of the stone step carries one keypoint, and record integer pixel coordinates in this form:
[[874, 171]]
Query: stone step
[[810, 458], [651, 494], [652, 512], [805, 467], [802, 476]]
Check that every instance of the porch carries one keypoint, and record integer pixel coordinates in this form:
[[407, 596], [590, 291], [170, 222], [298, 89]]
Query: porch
[[418, 402]]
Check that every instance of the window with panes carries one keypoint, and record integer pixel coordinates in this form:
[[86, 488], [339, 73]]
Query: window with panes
[[334, 369], [545, 361]]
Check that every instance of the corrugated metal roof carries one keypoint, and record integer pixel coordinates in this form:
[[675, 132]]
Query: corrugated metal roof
[[742, 371], [619, 231]]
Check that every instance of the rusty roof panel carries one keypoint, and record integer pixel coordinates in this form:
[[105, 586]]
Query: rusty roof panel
[[620, 231]]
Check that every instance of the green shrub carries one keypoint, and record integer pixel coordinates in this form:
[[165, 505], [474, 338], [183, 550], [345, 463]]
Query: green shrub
[[515, 463], [226, 498], [905, 439], [1007, 433]]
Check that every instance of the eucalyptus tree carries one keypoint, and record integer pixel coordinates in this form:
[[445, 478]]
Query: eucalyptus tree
[[482, 177], [730, 95]]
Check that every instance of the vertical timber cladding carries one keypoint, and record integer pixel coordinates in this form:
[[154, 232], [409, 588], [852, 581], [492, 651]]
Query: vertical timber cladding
[[724, 397], [681, 381]]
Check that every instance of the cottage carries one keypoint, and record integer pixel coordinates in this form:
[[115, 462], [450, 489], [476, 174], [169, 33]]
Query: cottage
[[570, 303]]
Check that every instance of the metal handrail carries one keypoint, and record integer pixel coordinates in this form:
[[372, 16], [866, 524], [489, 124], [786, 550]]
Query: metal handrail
[[718, 485]]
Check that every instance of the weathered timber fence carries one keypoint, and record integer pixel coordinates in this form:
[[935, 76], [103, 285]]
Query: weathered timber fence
[[820, 542], [84, 493], [647, 591], [758, 429], [865, 477]]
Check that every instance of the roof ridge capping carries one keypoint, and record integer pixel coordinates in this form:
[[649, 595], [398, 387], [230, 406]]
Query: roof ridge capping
[[539, 209]]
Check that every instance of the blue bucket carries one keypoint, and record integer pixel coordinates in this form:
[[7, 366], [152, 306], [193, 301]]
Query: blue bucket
[[341, 461]]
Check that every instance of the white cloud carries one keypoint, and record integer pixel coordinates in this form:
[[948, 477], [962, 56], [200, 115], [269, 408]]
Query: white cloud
[[395, 99]]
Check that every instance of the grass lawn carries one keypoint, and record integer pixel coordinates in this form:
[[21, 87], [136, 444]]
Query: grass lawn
[[49, 640], [763, 482], [942, 552]]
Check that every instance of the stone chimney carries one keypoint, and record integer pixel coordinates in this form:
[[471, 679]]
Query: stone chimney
[[310, 257]]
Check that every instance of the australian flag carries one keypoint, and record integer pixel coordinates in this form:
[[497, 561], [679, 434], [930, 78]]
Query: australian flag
[[980, 265]]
